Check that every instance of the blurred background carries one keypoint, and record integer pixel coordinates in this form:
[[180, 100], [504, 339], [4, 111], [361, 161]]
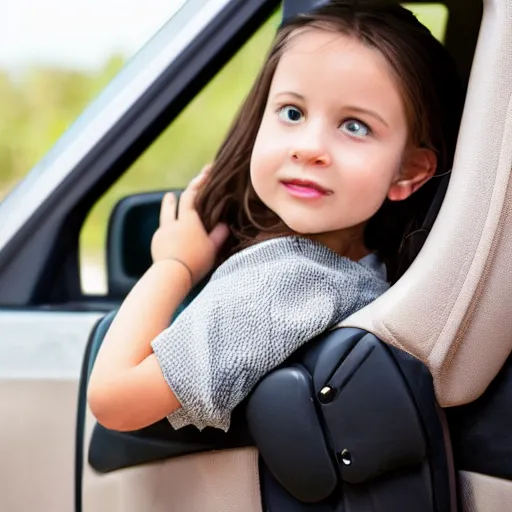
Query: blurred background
[[56, 56]]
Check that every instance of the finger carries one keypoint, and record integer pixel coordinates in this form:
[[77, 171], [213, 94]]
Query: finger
[[168, 208], [206, 169], [197, 182], [219, 235], [189, 195]]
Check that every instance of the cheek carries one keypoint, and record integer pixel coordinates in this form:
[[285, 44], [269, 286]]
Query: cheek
[[257, 165], [367, 177], [264, 156]]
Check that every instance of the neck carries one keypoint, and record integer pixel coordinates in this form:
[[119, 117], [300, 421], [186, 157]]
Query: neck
[[347, 242]]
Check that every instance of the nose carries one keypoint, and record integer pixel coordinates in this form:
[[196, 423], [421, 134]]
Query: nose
[[310, 148]]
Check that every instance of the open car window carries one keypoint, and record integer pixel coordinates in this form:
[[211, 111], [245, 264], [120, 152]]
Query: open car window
[[54, 98]]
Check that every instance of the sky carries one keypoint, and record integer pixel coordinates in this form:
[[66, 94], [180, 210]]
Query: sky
[[79, 34]]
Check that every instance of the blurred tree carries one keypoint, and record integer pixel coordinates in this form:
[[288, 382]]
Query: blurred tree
[[37, 107]]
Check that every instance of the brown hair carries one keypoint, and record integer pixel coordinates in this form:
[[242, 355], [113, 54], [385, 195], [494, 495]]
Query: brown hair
[[433, 99]]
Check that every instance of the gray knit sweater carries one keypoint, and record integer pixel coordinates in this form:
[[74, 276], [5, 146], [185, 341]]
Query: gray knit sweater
[[259, 307]]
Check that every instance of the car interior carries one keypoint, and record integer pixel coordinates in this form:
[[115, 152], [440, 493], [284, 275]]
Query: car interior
[[405, 406], [436, 435]]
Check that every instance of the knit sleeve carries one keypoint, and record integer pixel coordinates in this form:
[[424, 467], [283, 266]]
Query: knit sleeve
[[247, 322]]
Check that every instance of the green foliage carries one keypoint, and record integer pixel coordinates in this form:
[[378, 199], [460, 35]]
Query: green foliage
[[37, 108]]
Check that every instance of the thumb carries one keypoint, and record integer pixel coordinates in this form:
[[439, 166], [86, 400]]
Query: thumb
[[219, 235]]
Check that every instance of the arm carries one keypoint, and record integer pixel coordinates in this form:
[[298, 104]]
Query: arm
[[127, 390], [126, 371]]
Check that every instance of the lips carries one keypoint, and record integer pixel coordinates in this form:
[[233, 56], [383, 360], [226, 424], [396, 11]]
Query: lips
[[305, 186]]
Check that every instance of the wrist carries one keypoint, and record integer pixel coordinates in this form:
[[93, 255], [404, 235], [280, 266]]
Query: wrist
[[179, 267]]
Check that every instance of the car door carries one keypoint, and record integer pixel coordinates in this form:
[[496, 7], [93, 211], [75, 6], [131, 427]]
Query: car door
[[45, 318]]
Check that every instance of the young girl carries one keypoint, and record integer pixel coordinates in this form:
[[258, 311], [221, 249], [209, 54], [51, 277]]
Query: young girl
[[306, 215]]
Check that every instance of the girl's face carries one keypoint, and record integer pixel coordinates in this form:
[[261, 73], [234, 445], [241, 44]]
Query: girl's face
[[332, 144]]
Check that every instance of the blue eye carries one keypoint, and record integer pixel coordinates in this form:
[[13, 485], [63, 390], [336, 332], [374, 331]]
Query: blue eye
[[290, 114], [355, 128]]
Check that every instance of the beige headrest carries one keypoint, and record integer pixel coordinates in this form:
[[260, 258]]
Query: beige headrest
[[453, 307]]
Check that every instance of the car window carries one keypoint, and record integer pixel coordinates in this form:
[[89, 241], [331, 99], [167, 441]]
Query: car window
[[433, 15], [51, 69]]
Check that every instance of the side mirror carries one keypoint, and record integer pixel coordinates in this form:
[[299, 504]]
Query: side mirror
[[132, 224]]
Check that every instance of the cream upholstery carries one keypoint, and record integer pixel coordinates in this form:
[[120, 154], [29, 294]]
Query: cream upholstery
[[481, 493], [453, 307], [37, 436], [223, 481]]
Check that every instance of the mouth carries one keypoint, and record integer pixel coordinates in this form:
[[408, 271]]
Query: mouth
[[305, 188]]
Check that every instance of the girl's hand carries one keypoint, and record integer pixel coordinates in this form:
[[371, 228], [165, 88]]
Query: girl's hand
[[183, 236]]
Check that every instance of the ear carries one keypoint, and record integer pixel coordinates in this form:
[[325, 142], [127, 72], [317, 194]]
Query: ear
[[418, 166]]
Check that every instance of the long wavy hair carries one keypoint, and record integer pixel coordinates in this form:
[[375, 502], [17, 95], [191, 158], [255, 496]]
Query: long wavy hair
[[433, 97]]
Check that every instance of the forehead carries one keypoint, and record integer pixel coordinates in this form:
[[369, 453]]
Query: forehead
[[335, 66]]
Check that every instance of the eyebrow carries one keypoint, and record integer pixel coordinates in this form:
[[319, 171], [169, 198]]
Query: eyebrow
[[290, 93], [368, 112], [351, 108]]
